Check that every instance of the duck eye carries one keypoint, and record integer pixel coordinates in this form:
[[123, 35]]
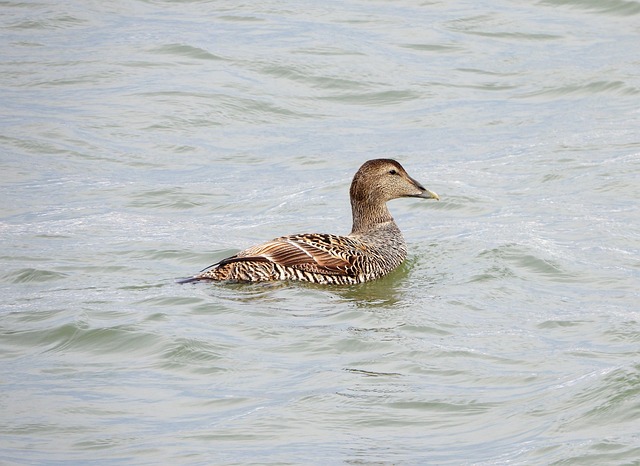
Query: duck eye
[[393, 172]]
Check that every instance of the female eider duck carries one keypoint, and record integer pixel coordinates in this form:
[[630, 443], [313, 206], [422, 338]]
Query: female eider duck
[[374, 247]]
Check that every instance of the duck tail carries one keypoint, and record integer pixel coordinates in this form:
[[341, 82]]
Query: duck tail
[[199, 277], [194, 279]]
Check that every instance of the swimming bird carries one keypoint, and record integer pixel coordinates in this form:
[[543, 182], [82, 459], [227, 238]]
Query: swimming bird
[[374, 247]]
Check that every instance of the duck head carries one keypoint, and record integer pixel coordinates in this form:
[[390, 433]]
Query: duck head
[[380, 180]]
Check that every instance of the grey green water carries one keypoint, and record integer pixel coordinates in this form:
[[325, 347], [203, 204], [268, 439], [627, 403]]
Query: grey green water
[[143, 140]]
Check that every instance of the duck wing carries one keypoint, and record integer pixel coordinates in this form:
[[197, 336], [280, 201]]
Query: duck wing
[[316, 253]]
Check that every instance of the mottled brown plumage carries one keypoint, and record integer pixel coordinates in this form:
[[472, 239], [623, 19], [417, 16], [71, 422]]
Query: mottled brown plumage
[[374, 247]]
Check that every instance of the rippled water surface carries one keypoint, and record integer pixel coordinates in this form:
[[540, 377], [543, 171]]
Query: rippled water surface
[[143, 140]]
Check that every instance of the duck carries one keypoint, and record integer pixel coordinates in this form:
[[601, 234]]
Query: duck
[[374, 247]]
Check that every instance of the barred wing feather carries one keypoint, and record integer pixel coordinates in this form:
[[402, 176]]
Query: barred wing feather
[[319, 253]]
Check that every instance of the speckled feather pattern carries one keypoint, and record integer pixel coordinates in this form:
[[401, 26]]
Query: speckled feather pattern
[[374, 247], [356, 259]]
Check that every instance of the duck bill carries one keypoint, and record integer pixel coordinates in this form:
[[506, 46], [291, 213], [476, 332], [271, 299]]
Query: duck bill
[[425, 193]]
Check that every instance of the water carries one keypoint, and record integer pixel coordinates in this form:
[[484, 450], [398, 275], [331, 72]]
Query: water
[[143, 140]]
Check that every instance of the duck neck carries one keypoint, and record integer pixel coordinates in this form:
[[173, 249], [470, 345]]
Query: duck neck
[[368, 216]]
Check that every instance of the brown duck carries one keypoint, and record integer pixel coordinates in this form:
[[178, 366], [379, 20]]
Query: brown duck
[[374, 247]]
